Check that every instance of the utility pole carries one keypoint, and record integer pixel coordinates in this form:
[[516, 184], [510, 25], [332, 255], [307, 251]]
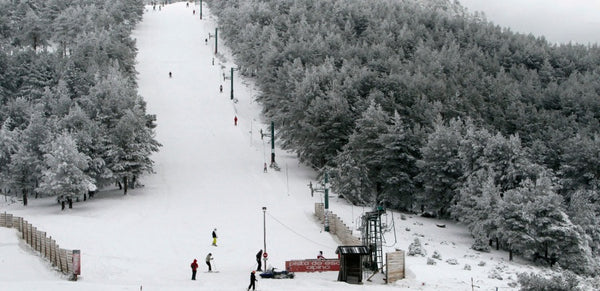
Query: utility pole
[[264, 209], [231, 83], [326, 185], [216, 38], [200, 9], [272, 143]]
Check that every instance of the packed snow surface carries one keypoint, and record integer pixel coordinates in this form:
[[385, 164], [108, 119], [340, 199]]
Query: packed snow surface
[[209, 174]]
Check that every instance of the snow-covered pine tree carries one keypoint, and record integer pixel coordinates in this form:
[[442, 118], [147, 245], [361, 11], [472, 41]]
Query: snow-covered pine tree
[[64, 174], [326, 126], [584, 211], [477, 205], [361, 152], [398, 149], [440, 167]]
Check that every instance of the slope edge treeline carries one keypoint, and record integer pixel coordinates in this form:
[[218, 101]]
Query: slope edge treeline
[[422, 106], [70, 116]]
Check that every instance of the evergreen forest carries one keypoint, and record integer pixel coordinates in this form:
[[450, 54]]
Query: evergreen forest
[[423, 106], [71, 120]]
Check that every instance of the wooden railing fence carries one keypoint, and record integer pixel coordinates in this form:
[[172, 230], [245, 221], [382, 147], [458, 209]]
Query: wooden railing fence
[[40, 242], [337, 227]]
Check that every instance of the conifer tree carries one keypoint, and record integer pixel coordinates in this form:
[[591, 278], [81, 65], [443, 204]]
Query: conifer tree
[[64, 174]]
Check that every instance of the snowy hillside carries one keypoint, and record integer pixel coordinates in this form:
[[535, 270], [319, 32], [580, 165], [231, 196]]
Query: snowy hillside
[[209, 174]]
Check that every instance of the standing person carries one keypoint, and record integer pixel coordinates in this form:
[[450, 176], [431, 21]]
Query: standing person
[[214, 236], [252, 280], [220, 86], [258, 257], [170, 75], [194, 266], [208, 259], [235, 121], [265, 170], [320, 255]]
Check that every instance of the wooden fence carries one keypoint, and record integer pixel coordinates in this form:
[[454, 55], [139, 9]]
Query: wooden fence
[[337, 227], [62, 259]]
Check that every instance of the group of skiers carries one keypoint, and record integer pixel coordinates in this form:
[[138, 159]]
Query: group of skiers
[[209, 258]]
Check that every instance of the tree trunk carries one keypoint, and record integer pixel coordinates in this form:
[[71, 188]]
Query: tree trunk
[[497, 244], [133, 182], [62, 205], [510, 254], [124, 185], [70, 203], [24, 197]]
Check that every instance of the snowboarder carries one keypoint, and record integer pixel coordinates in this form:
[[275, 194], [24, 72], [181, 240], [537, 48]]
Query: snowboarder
[[258, 257], [206, 41], [265, 170], [208, 259], [220, 86], [252, 280], [235, 121], [170, 74], [320, 256], [214, 236], [194, 266]]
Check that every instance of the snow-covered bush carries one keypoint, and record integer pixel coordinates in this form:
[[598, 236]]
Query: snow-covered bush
[[416, 249], [452, 261], [436, 255], [480, 245], [565, 280], [467, 267], [495, 274], [431, 261], [481, 264]]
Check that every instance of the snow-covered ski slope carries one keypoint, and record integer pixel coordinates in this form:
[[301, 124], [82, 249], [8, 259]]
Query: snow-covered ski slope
[[209, 174]]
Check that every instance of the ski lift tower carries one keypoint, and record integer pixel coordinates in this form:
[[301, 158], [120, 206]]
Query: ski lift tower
[[372, 236]]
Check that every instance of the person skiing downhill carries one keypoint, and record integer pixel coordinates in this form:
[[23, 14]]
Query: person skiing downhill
[[208, 259], [194, 266], [320, 256], [258, 257], [252, 280], [235, 121], [214, 236]]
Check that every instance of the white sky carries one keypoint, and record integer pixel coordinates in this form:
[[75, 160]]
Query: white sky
[[209, 173], [559, 21]]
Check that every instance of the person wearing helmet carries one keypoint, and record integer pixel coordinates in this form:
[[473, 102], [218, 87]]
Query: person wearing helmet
[[252, 280]]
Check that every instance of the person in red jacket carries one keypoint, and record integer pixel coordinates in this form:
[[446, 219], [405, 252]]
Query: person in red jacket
[[235, 121], [194, 266]]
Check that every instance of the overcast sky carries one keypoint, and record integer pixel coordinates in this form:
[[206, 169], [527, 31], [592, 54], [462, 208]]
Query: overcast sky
[[559, 21]]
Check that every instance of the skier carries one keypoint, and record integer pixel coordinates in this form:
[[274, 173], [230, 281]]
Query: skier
[[214, 236], [194, 12], [252, 280], [194, 266], [265, 170], [235, 121], [206, 41], [170, 74], [258, 257], [208, 259], [220, 86], [320, 256]]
